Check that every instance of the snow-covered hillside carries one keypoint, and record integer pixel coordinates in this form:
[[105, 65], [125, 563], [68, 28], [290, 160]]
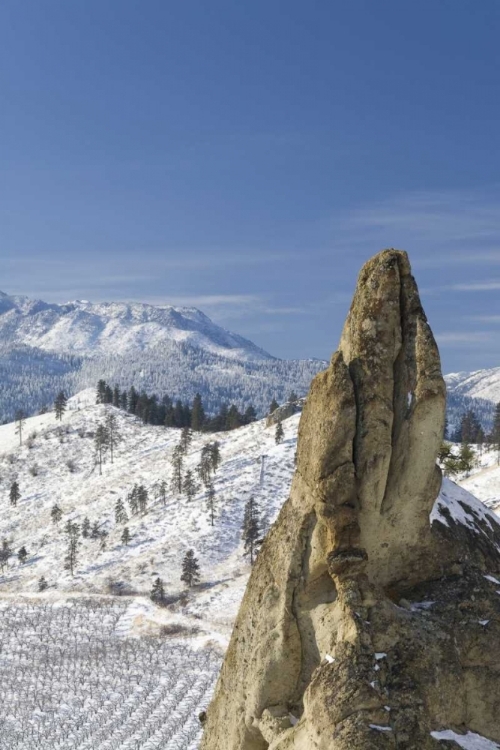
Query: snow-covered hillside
[[85, 328], [484, 384], [56, 465], [45, 348]]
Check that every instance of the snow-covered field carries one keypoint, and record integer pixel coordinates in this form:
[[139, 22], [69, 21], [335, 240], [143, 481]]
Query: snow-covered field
[[82, 669]]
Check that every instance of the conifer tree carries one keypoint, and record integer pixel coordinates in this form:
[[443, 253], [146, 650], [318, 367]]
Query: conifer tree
[[95, 533], [101, 443], [42, 584], [5, 553], [215, 457], [108, 395], [189, 486], [116, 397], [197, 414], [101, 392], [158, 592], [186, 439], [56, 513], [466, 458], [293, 398], [190, 569], [495, 433], [72, 532], [279, 434], [251, 529], [60, 405], [112, 434], [162, 491], [250, 415], [177, 462], [204, 468], [20, 422], [133, 499], [120, 512], [211, 502], [14, 494], [22, 555], [103, 537], [85, 527], [142, 498], [125, 537], [274, 405]]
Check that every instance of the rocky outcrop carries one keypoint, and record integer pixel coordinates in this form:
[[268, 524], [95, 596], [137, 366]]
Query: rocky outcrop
[[363, 625], [285, 411]]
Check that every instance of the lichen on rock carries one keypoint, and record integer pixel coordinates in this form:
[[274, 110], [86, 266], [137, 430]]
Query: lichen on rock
[[341, 573]]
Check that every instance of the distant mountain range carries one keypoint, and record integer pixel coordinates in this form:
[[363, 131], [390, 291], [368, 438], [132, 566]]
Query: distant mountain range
[[479, 390], [162, 349]]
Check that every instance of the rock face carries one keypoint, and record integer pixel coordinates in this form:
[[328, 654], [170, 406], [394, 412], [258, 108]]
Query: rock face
[[364, 626]]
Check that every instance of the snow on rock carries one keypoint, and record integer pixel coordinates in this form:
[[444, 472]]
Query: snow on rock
[[469, 741], [458, 505]]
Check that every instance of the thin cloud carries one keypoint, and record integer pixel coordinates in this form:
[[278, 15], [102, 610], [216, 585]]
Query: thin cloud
[[454, 338]]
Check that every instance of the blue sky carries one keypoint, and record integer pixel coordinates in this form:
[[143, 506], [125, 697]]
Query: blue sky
[[247, 158]]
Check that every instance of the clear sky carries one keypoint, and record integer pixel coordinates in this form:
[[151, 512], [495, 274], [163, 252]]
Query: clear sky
[[247, 157]]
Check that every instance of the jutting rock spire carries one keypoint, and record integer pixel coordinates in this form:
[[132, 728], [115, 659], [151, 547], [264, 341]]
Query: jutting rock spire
[[328, 652]]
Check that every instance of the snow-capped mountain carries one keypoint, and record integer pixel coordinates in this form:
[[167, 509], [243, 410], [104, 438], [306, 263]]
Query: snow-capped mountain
[[160, 349], [483, 384], [87, 329]]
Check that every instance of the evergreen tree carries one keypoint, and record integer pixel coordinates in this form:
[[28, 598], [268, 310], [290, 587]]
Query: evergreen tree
[[279, 434], [95, 533], [158, 592], [101, 443], [293, 398], [112, 433], [120, 512], [211, 502], [197, 414], [234, 419], [116, 397], [466, 458], [177, 462], [123, 401], [215, 457], [162, 491], [60, 405], [14, 493], [186, 439], [250, 415], [204, 468], [85, 528], [56, 513], [22, 555], [125, 537], [142, 498], [470, 427], [495, 433], [5, 553], [103, 537], [189, 485], [133, 499], [132, 399], [101, 392], [72, 532], [42, 584], [251, 529], [274, 405], [190, 569], [108, 395], [20, 422]]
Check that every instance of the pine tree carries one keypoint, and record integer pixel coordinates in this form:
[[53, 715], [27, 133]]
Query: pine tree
[[197, 414], [112, 433], [250, 415], [495, 433], [190, 569], [120, 512], [95, 533], [142, 498], [5, 553], [274, 405], [186, 439], [101, 443], [177, 462], [204, 468], [116, 397], [466, 458], [56, 513], [72, 532], [22, 555], [251, 529], [133, 499], [293, 398], [125, 537], [108, 395], [42, 584], [101, 392], [85, 527], [215, 457], [211, 502], [14, 493], [20, 422], [158, 592], [189, 486], [60, 405], [162, 491], [279, 434]]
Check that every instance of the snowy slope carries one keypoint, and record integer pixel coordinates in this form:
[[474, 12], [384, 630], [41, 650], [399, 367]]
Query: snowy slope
[[84, 328], [162, 535], [483, 384]]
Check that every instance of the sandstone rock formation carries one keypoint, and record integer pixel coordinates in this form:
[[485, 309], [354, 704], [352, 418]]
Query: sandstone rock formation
[[364, 625]]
